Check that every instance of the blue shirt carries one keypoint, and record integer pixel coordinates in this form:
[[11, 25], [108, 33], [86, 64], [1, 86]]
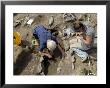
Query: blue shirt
[[43, 35]]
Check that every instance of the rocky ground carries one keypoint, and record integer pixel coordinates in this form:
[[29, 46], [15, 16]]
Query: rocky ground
[[27, 63]]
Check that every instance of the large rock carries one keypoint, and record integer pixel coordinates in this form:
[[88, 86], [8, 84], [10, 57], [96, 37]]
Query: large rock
[[66, 45]]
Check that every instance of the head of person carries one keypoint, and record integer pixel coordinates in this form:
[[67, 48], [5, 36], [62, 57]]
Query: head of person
[[51, 45], [78, 26]]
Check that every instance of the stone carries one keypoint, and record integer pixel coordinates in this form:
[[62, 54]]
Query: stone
[[73, 59], [79, 16], [17, 23], [41, 59], [68, 32], [58, 69], [68, 17], [39, 68], [66, 45], [42, 73], [73, 66], [60, 34], [51, 21], [25, 20], [30, 21]]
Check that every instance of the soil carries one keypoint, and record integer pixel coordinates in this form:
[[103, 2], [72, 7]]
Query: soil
[[26, 63]]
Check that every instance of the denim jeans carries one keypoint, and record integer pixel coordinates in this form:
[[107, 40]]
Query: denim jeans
[[81, 53]]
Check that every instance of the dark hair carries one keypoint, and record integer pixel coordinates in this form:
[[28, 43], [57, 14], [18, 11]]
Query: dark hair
[[78, 25]]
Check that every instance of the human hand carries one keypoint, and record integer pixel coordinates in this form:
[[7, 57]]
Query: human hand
[[46, 54], [49, 56], [79, 37]]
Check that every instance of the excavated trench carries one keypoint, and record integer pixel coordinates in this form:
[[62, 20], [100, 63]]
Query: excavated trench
[[27, 63]]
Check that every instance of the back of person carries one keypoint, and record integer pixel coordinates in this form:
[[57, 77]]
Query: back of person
[[45, 37], [89, 31], [42, 34]]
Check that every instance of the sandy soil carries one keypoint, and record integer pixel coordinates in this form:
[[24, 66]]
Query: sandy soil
[[26, 63]]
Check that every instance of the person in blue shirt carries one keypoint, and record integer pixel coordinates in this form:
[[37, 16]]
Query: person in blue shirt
[[46, 40]]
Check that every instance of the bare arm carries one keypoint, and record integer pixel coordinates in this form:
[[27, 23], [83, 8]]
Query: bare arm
[[45, 54], [88, 40]]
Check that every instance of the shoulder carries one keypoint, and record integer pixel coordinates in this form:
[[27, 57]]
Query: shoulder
[[88, 27], [90, 31]]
